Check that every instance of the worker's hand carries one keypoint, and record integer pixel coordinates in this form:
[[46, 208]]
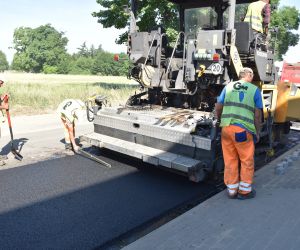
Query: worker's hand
[[4, 97], [257, 138], [76, 148], [216, 123], [5, 105]]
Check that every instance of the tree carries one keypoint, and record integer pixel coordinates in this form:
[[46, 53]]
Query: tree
[[83, 50], [3, 62], [82, 61], [150, 13], [104, 64], [42, 48], [286, 19], [82, 65], [162, 12]]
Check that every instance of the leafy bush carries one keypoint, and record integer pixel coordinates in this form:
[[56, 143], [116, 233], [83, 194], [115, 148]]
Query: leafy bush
[[49, 69], [3, 62]]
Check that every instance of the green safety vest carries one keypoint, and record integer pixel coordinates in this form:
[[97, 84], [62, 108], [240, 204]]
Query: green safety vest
[[236, 111], [254, 15]]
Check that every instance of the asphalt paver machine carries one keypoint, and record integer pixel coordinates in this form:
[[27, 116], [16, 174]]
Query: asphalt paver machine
[[170, 123]]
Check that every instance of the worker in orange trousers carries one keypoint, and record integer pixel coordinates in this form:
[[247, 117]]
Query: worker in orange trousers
[[239, 111]]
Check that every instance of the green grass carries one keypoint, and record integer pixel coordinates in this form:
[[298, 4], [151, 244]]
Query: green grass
[[37, 98]]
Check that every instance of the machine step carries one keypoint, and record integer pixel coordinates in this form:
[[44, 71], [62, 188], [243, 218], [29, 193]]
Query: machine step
[[150, 155]]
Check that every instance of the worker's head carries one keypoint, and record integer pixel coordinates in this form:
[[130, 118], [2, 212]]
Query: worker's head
[[246, 74]]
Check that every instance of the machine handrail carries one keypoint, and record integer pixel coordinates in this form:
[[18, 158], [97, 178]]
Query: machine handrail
[[173, 52], [151, 45], [150, 48]]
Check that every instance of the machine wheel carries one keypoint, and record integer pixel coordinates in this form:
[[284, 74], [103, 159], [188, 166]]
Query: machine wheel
[[280, 133], [198, 176], [218, 173], [198, 173]]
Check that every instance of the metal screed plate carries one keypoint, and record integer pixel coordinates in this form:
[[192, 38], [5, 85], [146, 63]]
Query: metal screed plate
[[146, 154]]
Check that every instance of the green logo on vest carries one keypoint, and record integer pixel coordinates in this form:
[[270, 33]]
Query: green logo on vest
[[239, 86]]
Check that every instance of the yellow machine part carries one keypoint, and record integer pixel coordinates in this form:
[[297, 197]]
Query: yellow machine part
[[269, 95], [288, 102]]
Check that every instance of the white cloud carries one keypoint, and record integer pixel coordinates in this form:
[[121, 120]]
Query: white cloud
[[292, 55]]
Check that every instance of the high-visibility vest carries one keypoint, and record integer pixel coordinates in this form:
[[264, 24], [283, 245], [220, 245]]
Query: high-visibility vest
[[236, 111], [254, 15]]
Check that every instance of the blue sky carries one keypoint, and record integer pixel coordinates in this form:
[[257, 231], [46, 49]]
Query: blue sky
[[70, 16], [74, 18]]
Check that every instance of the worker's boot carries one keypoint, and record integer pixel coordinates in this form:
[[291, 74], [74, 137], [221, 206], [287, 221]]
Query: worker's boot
[[232, 196], [68, 146], [3, 157], [250, 195]]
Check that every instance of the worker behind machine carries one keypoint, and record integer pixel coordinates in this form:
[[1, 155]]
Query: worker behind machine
[[70, 111], [258, 15]]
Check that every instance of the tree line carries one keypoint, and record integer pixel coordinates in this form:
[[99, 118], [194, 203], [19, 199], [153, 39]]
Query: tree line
[[3, 62], [163, 12], [43, 50]]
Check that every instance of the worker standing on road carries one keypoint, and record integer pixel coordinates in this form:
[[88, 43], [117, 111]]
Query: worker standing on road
[[258, 15], [3, 106], [70, 110], [239, 108]]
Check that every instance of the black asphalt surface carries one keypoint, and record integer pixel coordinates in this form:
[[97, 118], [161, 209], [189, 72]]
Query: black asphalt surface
[[74, 203]]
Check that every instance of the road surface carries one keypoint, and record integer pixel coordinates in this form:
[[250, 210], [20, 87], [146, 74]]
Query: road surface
[[52, 200], [57, 200]]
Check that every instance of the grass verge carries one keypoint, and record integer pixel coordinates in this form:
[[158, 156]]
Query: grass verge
[[45, 93]]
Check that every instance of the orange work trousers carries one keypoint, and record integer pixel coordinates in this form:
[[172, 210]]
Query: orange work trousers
[[238, 153]]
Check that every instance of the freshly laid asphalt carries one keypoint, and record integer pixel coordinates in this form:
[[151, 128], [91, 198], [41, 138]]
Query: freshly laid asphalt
[[75, 203], [54, 201]]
